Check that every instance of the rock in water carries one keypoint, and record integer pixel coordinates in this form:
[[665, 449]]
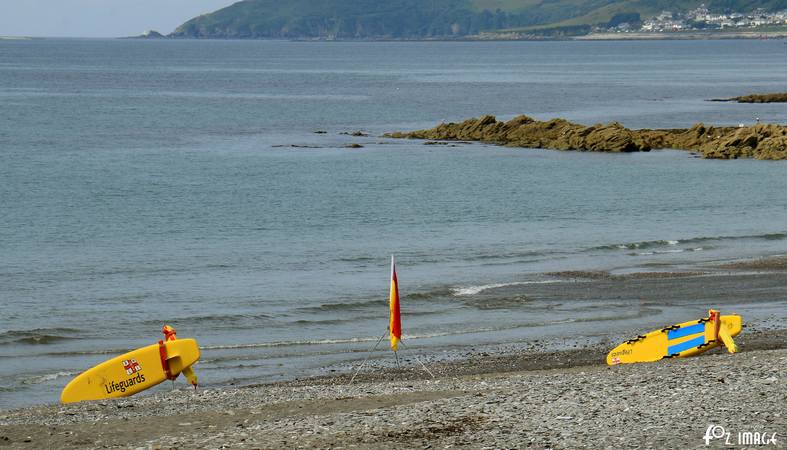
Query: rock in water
[[776, 97], [151, 34], [762, 141]]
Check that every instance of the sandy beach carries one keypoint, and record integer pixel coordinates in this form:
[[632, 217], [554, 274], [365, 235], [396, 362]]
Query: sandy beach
[[565, 399]]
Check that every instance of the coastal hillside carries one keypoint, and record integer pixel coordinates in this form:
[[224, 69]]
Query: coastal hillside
[[425, 19]]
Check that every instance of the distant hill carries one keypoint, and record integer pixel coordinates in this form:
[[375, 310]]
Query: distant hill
[[424, 19]]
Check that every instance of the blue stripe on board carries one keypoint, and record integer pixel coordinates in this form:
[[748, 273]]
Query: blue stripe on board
[[685, 331], [677, 348]]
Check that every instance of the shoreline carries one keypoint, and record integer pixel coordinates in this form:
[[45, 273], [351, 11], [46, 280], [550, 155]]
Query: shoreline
[[560, 400], [546, 381], [623, 301], [632, 36], [683, 36]]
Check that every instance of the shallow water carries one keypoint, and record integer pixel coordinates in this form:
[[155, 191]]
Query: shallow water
[[144, 182]]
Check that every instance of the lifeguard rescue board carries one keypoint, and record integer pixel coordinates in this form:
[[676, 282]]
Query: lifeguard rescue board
[[681, 340], [133, 372]]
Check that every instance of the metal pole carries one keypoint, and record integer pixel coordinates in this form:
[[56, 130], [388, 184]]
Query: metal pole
[[368, 356], [419, 361]]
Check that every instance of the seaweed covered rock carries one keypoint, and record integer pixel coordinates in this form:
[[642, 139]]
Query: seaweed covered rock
[[775, 97], [758, 141]]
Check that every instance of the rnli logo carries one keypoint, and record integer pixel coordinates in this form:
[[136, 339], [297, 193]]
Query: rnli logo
[[131, 366], [134, 370]]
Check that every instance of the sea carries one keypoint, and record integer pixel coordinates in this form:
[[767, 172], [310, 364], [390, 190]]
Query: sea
[[209, 185]]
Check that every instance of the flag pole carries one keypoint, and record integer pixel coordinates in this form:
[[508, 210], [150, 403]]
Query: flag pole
[[369, 355], [420, 362]]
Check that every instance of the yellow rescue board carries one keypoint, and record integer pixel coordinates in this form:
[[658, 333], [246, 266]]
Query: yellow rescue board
[[681, 340], [132, 372]]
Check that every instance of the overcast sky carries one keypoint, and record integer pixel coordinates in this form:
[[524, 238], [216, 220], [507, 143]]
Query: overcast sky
[[99, 18]]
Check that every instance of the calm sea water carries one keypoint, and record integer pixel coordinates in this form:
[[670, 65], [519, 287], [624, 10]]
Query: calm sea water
[[152, 182]]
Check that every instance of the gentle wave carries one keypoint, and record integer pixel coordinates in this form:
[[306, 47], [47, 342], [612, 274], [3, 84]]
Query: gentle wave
[[111, 351], [329, 341], [428, 295], [287, 343], [696, 240], [637, 245], [360, 259], [663, 252], [353, 340], [359, 317], [342, 306], [222, 319], [350, 305], [507, 255], [305, 322], [48, 377], [485, 257], [405, 337], [473, 290], [38, 336], [641, 312]]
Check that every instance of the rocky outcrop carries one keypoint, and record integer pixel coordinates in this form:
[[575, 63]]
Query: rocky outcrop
[[758, 141], [777, 97], [151, 34], [762, 141]]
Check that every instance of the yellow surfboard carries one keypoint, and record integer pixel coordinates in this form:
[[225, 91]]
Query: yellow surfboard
[[134, 371], [681, 340]]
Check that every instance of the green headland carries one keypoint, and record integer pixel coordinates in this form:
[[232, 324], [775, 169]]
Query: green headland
[[481, 19]]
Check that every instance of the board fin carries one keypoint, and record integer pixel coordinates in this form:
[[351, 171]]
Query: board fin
[[188, 372], [172, 364], [727, 340]]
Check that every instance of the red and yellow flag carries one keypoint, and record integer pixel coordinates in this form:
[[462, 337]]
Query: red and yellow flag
[[395, 325]]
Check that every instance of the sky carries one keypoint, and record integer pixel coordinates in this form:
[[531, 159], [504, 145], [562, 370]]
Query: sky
[[98, 18]]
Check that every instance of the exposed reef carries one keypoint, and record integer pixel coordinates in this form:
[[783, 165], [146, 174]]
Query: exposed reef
[[776, 97], [761, 141]]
